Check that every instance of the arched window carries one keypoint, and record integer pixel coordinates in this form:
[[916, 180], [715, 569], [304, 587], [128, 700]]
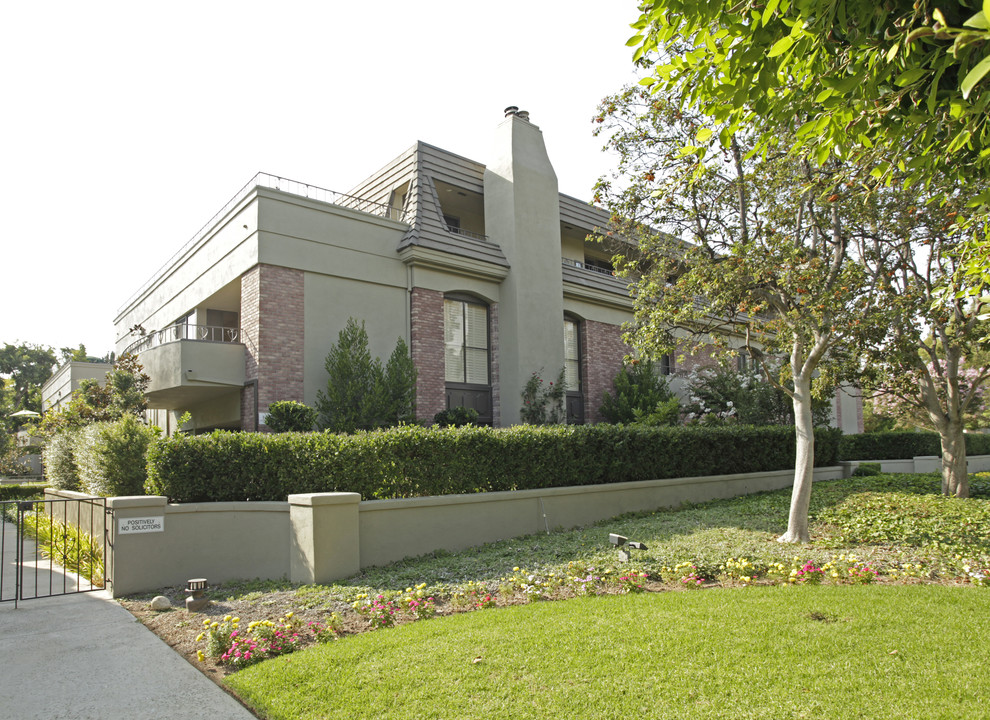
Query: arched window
[[467, 355]]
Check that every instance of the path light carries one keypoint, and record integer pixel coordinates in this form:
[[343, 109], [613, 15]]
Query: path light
[[196, 592], [619, 541]]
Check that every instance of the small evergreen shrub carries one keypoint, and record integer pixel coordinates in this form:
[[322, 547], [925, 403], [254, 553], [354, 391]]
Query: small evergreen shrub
[[543, 402], [290, 416], [456, 417], [361, 394], [642, 395], [867, 470], [61, 471]]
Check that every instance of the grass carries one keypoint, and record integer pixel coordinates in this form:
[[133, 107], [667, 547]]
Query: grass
[[911, 646], [767, 652]]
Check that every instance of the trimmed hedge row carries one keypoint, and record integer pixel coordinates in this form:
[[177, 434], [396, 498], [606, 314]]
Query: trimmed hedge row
[[413, 461], [903, 445]]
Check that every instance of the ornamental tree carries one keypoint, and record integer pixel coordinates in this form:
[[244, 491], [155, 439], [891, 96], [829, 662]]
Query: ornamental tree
[[898, 86], [732, 244], [898, 83], [932, 363]]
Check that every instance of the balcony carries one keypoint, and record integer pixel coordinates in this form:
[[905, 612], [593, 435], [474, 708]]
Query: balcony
[[189, 364], [599, 285]]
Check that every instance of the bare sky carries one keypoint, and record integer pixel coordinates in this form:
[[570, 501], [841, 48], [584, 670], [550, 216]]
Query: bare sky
[[125, 126]]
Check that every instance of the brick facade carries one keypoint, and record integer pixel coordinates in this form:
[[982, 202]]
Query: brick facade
[[602, 351], [426, 348], [493, 355], [275, 345]]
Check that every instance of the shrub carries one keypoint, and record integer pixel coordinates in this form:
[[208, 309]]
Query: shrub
[[867, 470], [360, 393], [290, 416], [720, 395], [642, 395], [542, 405], [411, 461], [456, 417], [112, 456], [903, 445], [60, 463]]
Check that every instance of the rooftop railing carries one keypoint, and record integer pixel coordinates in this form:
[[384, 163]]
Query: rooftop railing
[[272, 182], [174, 333]]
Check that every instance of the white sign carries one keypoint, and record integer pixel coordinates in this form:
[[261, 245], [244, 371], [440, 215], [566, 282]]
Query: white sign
[[129, 526]]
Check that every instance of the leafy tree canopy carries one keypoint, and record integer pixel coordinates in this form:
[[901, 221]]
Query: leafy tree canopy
[[899, 83]]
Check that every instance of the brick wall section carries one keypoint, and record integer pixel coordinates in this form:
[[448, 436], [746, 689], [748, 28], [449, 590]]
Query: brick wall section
[[273, 321], [602, 351], [250, 323], [493, 355], [426, 348]]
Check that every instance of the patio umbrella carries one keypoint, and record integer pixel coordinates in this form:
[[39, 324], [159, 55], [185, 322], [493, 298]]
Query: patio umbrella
[[25, 413]]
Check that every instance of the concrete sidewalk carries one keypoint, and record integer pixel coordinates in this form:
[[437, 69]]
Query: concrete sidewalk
[[83, 656]]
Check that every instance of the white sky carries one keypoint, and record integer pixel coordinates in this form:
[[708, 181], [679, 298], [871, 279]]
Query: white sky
[[124, 126]]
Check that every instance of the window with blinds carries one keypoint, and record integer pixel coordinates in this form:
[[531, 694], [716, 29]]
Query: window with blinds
[[572, 357], [465, 329]]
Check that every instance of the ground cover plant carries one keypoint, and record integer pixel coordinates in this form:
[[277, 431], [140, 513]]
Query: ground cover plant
[[877, 531]]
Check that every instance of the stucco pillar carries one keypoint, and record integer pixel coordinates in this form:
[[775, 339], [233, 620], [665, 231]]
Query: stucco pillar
[[324, 537]]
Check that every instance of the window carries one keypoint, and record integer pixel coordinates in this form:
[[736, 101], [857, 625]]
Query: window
[[465, 330], [572, 356], [573, 399], [667, 364]]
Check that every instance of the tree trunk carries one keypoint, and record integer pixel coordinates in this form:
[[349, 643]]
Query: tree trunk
[[955, 479], [804, 464]]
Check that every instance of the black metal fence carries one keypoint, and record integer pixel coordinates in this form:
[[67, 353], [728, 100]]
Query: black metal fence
[[52, 547]]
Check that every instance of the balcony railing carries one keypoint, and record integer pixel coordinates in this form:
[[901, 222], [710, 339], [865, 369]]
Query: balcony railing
[[590, 268], [467, 233], [174, 333], [274, 182]]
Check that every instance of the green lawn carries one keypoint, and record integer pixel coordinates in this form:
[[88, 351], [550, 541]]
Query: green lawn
[[759, 652], [911, 645]]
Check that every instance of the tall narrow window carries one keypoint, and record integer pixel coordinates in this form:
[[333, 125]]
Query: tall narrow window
[[574, 400], [466, 353], [667, 364], [572, 356]]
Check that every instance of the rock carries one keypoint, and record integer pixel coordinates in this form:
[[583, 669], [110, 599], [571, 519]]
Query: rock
[[161, 603]]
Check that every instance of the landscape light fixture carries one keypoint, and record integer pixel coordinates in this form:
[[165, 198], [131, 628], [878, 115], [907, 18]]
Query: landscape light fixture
[[619, 541], [196, 592]]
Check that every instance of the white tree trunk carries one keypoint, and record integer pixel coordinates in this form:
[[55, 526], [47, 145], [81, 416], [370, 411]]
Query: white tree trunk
[[955, 479], [804, 463]]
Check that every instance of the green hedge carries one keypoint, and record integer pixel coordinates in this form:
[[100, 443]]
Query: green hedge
[[413, 461], [903, 445]]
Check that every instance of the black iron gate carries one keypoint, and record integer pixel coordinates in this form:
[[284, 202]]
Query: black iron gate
[[52, 547]]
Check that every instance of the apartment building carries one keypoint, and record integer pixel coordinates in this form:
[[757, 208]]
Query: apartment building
[[485, 270]]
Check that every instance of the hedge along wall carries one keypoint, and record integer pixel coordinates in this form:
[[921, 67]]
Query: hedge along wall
[[903, 445], [412, 461]]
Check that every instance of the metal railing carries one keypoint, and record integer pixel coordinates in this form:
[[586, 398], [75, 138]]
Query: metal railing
[[272, 182], [174, 333], [590, 268], [467, 233]]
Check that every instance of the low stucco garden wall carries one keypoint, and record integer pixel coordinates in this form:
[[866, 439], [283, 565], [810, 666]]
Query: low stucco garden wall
[[322, 537]]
